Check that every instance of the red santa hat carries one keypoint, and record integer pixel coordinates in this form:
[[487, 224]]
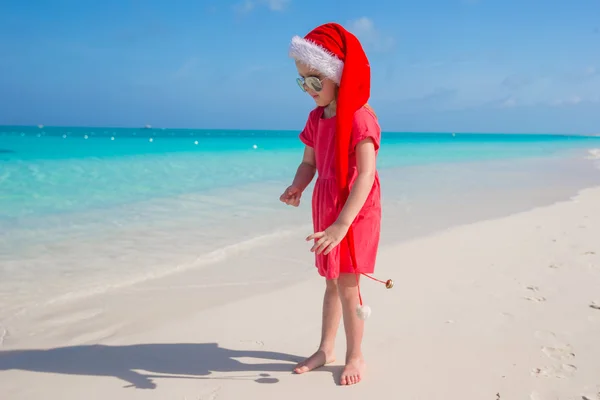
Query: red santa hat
[[338, 55]]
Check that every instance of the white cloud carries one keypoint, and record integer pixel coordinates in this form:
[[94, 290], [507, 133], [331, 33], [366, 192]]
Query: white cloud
[[371, 37], [509, 103], [517, 81], [277, 5], [590, 71], [248, 5], [363, 25], [569, 101], [186, 69], [580, 75], [244, 7]]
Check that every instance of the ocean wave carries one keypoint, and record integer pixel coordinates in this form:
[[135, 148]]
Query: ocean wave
[[593, 154], [203, 260]]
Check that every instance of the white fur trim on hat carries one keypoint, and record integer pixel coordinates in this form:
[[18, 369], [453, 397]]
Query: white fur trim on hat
[[317, 57]]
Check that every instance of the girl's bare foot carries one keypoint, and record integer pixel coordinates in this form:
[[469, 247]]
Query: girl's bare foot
[[319, 359], [353, 371]]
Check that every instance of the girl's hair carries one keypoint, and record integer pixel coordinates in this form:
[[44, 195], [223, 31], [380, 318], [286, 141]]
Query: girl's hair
[[368, 106]]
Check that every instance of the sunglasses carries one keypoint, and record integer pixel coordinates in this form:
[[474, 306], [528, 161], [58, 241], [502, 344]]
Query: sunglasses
[[312, 82]]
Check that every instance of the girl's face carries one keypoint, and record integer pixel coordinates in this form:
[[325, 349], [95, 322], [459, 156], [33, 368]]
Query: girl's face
[[322, 97]]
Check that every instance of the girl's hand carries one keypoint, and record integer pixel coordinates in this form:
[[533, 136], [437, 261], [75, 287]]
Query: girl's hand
[[291, 196], [328, 239]]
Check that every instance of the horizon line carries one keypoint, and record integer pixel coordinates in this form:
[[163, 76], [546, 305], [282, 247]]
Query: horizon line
[[151, 128]]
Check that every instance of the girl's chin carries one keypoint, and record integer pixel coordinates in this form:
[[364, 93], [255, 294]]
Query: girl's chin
[[320, 102]]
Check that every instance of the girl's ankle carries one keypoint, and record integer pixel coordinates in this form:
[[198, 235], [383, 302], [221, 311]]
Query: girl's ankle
[[327, 349], [354, 355]]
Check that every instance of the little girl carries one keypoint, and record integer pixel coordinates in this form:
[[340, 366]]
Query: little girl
[[341, 140]]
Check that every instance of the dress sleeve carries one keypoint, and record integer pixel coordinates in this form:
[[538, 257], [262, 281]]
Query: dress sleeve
[[365, 125], [308, 133]]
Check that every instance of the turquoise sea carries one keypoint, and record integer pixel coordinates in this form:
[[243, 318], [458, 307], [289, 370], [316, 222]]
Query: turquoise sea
[[89, 210], [62, 170]]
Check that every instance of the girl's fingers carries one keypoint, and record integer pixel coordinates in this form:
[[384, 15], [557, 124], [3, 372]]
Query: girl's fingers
[[315, 235], [322, 246], [330, 247], [319, 248], [319, 243]]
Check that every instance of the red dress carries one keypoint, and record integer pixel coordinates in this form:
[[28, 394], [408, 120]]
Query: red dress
[[319, 134]]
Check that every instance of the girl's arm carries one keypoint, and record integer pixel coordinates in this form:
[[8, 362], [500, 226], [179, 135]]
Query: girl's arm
[[365, 162], [306, 170], [304, 175], [365, 159]]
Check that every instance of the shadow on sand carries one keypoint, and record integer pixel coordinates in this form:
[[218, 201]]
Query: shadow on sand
[[177, 360]]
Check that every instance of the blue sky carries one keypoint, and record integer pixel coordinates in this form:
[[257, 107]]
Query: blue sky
[[438, 65]]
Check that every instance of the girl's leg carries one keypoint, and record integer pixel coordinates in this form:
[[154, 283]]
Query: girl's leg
[[354, 327], [332, 312]]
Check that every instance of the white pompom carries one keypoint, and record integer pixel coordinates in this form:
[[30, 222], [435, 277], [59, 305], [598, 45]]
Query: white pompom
[[363, 312]]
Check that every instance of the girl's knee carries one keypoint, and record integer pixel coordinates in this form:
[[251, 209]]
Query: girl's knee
[[347, 280], [331, 285]]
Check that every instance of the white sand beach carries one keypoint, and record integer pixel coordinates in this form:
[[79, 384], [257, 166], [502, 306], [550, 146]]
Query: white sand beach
[[506, 308], [145, 150]]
